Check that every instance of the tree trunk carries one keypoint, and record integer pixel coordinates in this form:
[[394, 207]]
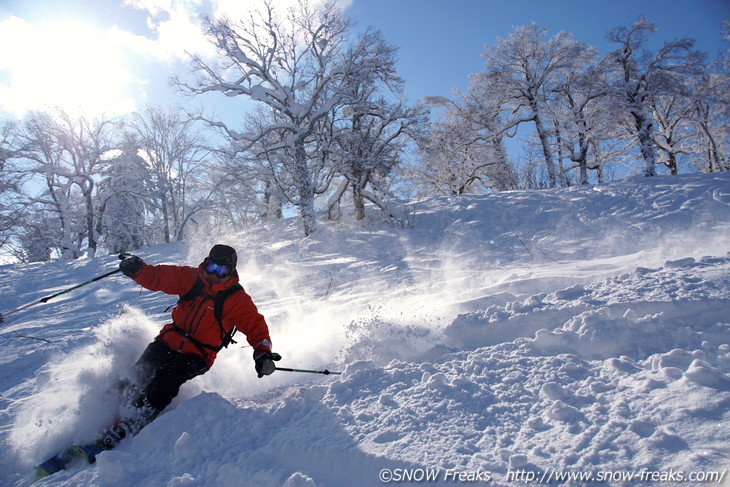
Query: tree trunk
[[646, 143], [672, 163], [546, 151], [559, 144], [359, 201], [715, 159], [165, 219], [333, 204], [583, 158], [90, 220], [272, 201], [304, 189]]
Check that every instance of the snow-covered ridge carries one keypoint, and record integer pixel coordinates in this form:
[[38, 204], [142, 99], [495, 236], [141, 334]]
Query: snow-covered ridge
[[580, 331]]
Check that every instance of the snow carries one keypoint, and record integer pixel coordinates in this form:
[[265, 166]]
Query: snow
[[497, 339]]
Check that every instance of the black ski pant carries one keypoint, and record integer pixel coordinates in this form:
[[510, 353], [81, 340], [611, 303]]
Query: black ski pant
[[160, 373]]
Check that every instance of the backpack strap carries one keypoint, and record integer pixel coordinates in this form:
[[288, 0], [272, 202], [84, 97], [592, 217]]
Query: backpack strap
[[219, 300], [195, 291]]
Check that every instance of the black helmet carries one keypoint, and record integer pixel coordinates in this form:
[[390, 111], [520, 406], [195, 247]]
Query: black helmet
[[223, 255]]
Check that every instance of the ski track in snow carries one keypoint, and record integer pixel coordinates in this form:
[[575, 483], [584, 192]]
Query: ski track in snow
[[581, 330]]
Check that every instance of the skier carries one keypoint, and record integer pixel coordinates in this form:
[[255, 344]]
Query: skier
[[187, 346], [212, 306]]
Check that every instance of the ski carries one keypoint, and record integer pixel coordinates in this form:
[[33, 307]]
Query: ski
[[56, 463], [65, 458], [88, 452]]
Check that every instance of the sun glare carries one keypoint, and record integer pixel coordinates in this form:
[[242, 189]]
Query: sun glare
[[80, 67], [74, 66]]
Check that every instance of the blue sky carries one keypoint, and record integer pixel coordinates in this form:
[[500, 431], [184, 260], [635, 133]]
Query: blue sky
[[112, 56], [441, 42]]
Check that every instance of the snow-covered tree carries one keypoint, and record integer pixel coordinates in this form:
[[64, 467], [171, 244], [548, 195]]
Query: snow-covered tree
[[86, 144], [583, 117], [370, 134], [11, 204], [301, 68], [35, 237], [710, 94], [245, 191], [642, 75], [585, 113], [522, 70], [451, 163], [532, 173], [712, 119], [123, 193], [177, 157], [674, 131], [66, 155], [368, 150], [462, 150]]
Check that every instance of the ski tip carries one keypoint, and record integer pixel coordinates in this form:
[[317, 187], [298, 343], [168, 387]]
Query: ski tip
[[41, 473], [45, 470]]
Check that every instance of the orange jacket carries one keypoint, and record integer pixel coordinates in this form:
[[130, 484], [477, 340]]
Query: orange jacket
[[196, 318]]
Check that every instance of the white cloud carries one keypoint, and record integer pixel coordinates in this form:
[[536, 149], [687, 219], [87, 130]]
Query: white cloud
[[177, 21], [80, 67], [176, 25]]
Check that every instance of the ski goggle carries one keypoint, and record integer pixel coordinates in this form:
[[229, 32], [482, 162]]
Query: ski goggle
[[217, 269]]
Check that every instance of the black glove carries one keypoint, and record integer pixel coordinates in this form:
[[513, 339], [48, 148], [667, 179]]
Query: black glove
[[131, 266], [265, 362]]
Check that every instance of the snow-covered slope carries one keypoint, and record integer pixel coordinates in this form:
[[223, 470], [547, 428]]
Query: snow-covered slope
[[506, 338]]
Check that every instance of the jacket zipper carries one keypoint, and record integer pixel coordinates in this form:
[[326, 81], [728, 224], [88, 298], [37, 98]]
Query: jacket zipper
[[193, 322]]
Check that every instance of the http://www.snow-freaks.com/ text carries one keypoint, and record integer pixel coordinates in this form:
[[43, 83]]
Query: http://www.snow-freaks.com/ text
[[549, 476]]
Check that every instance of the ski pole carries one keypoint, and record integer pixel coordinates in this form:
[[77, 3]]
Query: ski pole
[[48, 298], [325, 371], [97, 278]]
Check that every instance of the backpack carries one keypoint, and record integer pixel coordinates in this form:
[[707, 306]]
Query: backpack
[[219, 300]]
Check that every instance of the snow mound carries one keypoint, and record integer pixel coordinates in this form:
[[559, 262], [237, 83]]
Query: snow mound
[[509, 337]]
